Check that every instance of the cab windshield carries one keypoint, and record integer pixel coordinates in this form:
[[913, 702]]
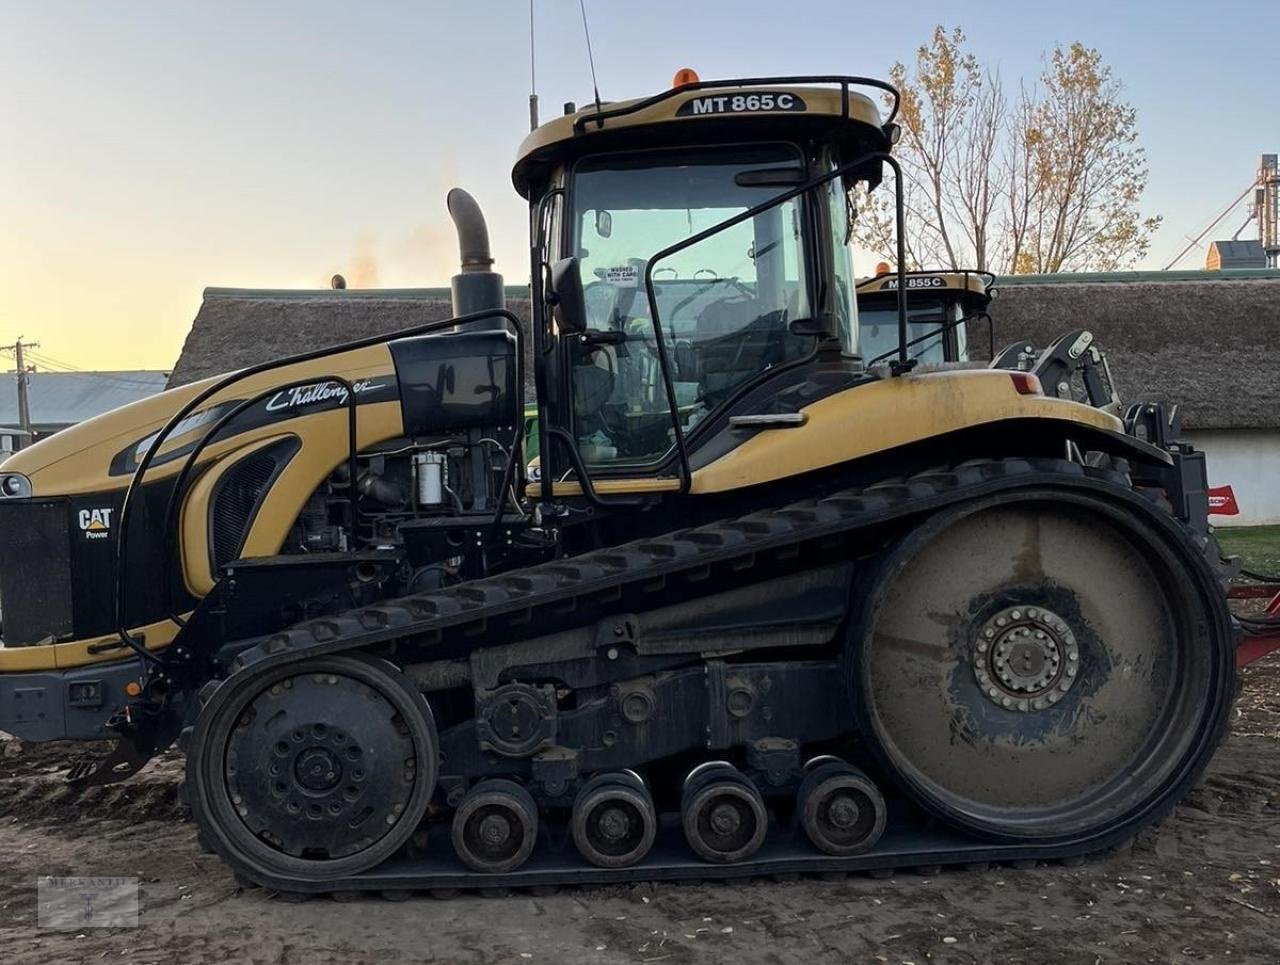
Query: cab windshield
[[725, 303]]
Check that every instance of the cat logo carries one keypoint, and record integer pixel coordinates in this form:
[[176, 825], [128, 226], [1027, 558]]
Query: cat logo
[[96, 523]]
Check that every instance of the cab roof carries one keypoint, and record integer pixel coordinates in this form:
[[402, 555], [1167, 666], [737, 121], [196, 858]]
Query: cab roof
[[772, 108], [980, 284]]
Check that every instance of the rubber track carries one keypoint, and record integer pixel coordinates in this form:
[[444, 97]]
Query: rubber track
[[603, 572], [473, 604]]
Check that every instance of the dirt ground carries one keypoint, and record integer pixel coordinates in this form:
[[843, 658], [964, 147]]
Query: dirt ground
[[1203, 887]]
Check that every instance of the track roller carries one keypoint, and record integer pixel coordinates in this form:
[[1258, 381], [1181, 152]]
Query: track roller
[[614, 822], [495, 827], [842, 812], [723, 814]]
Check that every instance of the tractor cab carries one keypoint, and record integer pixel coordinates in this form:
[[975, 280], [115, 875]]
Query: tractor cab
[[941, 307], [687, 248]]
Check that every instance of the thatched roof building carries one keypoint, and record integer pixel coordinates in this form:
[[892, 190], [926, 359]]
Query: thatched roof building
[[1207, 341], [238, 327], [1204, 340]]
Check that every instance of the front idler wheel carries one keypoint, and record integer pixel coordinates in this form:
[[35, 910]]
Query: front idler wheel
[[495, 827], [614, 822], [723, 813], [314, 771], [841, 810]]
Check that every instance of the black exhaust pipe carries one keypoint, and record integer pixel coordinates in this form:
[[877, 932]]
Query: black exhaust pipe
[[476, 287]]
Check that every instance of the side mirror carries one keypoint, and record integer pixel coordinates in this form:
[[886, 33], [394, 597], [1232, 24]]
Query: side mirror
[[604, 224], [565, 297]]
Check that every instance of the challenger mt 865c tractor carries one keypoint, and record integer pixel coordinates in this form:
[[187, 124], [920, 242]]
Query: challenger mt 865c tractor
[[940, 306], [757, 608]]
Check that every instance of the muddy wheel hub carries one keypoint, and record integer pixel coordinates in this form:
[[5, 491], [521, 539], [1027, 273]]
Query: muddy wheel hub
[[614, 824], [843, 812], [1025, 658], [495, 830], [725, 819]]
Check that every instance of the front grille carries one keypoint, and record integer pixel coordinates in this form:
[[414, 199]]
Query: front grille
[[35, 571], [237, 497]]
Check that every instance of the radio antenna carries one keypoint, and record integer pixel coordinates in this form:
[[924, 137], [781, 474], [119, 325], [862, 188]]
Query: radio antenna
[[595, 87], [533, 76]]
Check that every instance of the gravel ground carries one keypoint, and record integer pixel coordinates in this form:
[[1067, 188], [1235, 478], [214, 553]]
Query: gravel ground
[[1202, 887]]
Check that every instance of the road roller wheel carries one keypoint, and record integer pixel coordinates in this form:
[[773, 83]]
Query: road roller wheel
[[841, 810], [313, 771], [495, 827], [1042, 667], [614, 822], [723, 814]]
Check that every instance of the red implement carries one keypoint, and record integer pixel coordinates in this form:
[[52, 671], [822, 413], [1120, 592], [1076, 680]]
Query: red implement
[[1258, 643]]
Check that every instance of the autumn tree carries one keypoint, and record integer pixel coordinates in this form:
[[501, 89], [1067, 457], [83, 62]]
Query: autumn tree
[[1050, 182]]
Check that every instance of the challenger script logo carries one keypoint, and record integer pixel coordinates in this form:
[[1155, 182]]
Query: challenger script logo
[[320, 392], [96, 523]]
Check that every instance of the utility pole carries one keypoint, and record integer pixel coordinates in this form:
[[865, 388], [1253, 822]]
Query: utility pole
[[24, 403]]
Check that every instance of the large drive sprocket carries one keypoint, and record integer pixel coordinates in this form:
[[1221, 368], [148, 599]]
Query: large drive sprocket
[[1041, 666]]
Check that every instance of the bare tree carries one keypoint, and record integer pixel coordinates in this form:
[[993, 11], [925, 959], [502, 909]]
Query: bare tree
[[1052, 184]]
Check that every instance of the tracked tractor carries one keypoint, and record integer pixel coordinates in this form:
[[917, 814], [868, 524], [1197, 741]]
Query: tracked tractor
[[756, 608]]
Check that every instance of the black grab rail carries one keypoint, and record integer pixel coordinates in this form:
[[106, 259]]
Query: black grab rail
[[169, 428], [178, 494], [902, 364]]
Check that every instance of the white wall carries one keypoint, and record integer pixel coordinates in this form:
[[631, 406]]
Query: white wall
[[1249, 461]]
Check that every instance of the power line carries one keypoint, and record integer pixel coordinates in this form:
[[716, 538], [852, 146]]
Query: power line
[[58, 367], [99, 377], [53, 363], [1212, 224]]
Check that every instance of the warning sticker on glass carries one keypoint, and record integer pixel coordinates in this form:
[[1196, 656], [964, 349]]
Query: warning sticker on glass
[[623, 276]]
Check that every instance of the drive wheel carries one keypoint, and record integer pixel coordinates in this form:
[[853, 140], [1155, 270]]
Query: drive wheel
[[313, 771], [1045, 666]]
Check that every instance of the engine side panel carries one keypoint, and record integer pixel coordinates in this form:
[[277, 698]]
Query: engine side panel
[[883, 415]]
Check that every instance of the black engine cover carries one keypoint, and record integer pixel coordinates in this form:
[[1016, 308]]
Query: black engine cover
[[456, 381]]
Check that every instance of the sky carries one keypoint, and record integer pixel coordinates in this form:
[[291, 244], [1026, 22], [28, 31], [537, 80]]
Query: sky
[[151, 149]]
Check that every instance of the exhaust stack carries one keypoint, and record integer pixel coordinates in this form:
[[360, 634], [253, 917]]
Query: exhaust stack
[[476, 287]]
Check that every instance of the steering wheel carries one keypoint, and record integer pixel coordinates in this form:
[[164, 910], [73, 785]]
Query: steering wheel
[[599, 298]]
